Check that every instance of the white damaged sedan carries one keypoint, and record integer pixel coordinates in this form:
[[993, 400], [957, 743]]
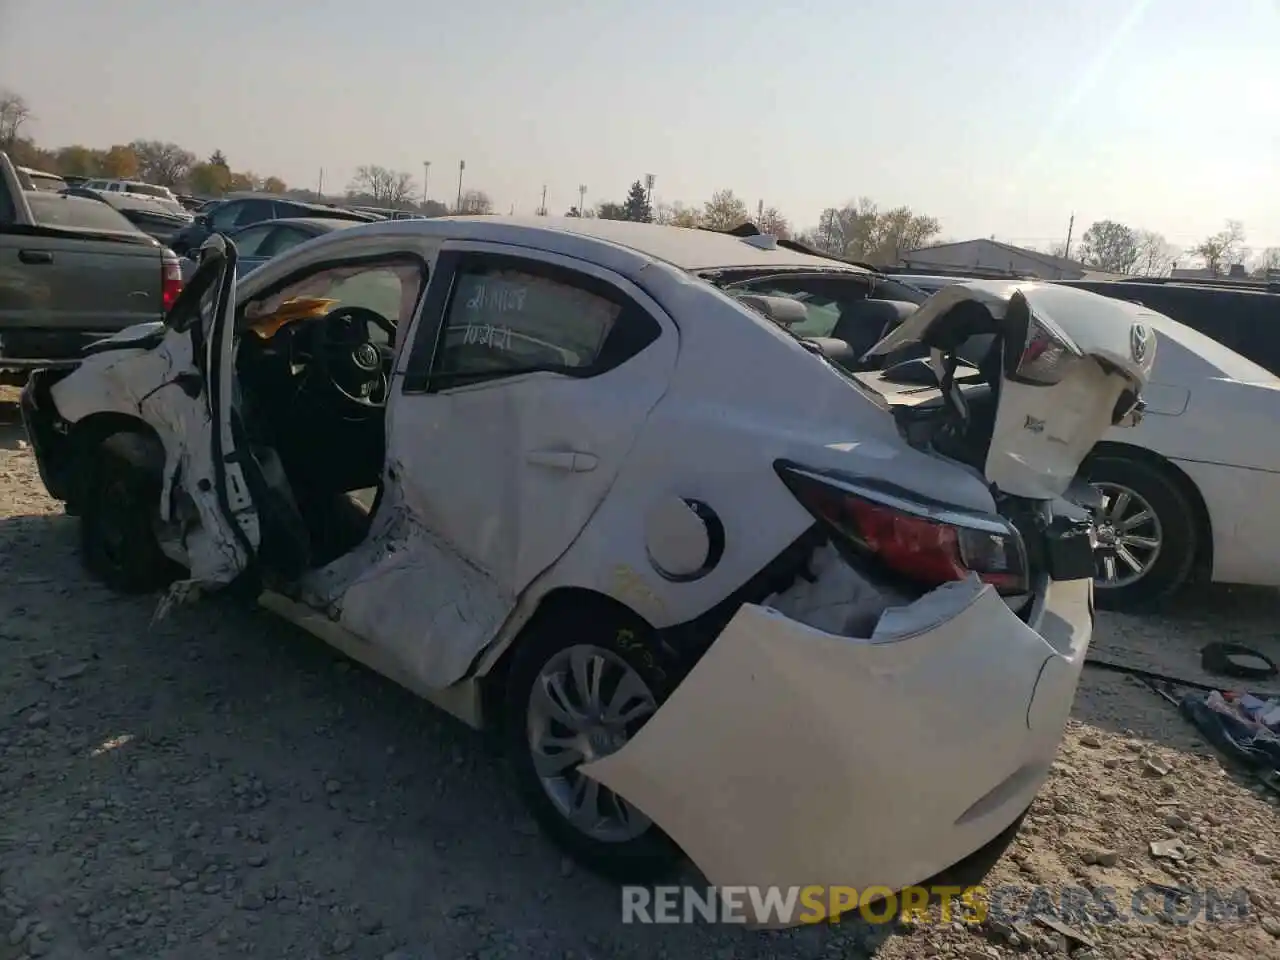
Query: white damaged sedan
[[720, 596]]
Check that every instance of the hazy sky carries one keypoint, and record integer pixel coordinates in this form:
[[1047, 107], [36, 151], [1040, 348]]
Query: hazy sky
[[996, 116]]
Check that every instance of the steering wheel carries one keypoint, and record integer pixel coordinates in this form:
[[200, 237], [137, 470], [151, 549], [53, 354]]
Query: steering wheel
[[353, 363]]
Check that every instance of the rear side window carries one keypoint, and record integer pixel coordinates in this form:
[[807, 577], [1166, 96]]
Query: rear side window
[[255, 211], [505, 321], [53, 210], [225, 216], [249, 242], [281, 240]]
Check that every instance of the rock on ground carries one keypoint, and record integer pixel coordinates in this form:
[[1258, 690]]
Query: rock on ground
[[221, 784]]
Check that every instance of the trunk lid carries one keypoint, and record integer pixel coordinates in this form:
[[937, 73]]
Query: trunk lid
[[1062, 368]]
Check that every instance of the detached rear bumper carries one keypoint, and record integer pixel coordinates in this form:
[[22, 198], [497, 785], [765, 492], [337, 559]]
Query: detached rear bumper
[[791, 757]]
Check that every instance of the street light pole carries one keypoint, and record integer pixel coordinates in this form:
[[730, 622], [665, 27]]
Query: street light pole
[[582, 200], [462, 165], [426, 172]]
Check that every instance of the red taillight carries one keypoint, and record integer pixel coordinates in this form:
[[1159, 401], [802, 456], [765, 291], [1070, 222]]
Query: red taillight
[[928, 544], [170, 280]]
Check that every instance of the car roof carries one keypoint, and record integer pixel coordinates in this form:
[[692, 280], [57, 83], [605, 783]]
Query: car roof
[[324, 224], [687, 248], [33, 171]]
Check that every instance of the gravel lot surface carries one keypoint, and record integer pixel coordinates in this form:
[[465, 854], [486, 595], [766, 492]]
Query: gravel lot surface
[[221, 784]]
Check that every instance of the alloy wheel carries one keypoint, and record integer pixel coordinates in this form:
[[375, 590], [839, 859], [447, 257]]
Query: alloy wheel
[[1129, 537], [586, 703]]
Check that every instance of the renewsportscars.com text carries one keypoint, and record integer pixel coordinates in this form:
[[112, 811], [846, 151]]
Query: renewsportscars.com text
[[1151, 903]]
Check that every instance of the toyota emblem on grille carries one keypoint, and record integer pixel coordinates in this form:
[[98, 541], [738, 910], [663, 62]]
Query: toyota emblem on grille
[[366, 356], [1139, 337]]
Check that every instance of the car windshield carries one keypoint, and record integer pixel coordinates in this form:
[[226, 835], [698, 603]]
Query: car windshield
[[46, 182], [53, 210]]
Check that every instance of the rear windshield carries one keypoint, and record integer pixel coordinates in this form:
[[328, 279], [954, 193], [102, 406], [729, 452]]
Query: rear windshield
[[47, 182], [53, 210], [148, 189]]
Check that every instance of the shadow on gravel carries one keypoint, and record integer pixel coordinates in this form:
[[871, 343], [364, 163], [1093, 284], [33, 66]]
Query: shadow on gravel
[[11, 430], [233, 778]]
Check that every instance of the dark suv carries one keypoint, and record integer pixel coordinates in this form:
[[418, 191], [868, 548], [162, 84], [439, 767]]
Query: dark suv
[[1242, 316], [239, 212]]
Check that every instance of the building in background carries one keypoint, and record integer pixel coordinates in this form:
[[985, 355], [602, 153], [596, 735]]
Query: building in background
[[992, 257]]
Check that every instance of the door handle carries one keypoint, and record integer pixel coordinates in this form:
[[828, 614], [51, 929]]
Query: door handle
[[570, 461], [35, 256]]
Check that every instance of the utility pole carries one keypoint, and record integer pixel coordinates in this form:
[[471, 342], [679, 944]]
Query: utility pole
[[320, 186], [462, 165], [542, 210], [582, 199], [759, 212], [426, 172], [648, 189], [1066, 251]]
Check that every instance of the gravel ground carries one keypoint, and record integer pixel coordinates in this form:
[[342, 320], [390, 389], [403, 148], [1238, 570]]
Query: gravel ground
[[221, 784]]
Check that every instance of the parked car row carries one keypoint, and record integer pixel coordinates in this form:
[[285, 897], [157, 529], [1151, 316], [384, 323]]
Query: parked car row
[[72, 270], [153, 216]]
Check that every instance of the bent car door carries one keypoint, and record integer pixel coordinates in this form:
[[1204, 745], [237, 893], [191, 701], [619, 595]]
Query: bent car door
[[519, 393]]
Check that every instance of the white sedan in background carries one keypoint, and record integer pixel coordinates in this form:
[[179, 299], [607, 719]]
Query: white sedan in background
[[1194, 490]]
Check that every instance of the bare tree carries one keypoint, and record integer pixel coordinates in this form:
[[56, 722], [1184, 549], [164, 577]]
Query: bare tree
[[676, 215], [476, 202], [164, 163], [1156, 255], [1223, 249], [1268, 262], [388, 188], [859, 231], [773, 222], [14, 112], [724, 211]]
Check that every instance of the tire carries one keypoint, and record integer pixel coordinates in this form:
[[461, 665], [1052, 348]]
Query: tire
[[1174, 527], [633, 855], [117, 508]]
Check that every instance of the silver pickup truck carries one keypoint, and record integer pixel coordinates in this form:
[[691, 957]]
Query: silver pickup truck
[[71, 271]]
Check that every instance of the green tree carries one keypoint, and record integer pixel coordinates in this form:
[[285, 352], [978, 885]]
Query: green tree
[[274, 185], [163, 163], [209, 179], [1109, 246], [636, 206], [612, 211], [120, 162], [78, 161], [724, 211]]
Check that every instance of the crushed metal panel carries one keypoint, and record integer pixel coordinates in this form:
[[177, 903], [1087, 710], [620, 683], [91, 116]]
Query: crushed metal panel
[[408, 591], [790, 756], [149, 385]]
